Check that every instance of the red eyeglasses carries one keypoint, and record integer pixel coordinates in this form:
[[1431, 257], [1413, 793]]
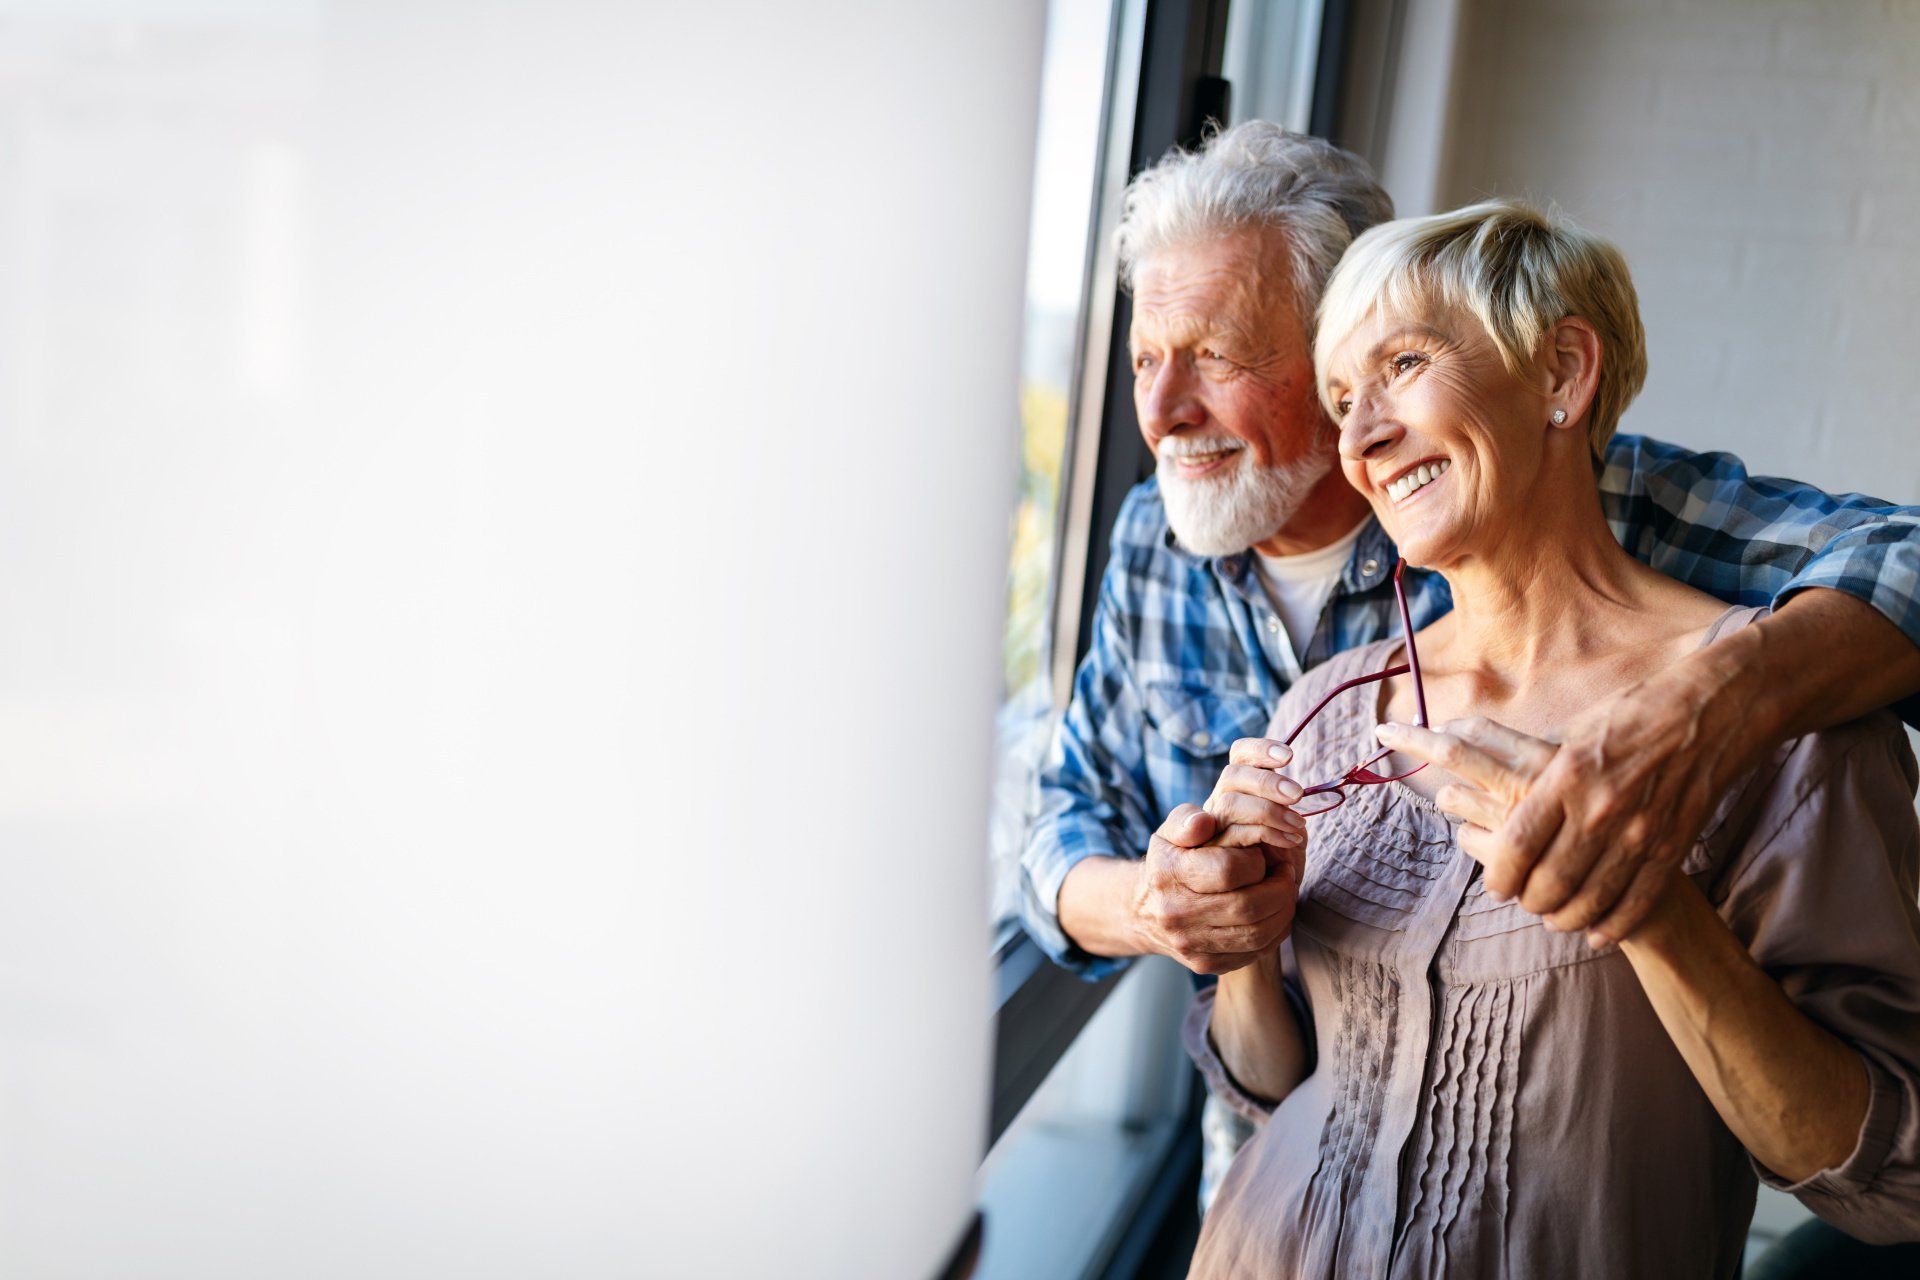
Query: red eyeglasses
[[1328, 796]]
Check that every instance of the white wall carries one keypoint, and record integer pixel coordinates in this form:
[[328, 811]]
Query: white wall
[[503, 517], [1759, 163]]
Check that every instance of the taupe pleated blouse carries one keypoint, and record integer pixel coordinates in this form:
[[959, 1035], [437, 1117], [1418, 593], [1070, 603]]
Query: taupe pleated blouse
[[1492, 1099]]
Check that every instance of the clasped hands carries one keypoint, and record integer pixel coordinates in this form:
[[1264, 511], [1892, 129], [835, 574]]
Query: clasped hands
[[1217, 888], [1585, 833]]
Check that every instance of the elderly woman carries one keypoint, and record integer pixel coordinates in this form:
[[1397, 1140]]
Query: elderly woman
[[1488, 1096]]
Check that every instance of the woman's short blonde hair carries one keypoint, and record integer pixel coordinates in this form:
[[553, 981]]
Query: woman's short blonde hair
[[1519, 270]]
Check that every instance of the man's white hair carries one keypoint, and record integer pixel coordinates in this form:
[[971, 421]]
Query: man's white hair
[[1255, 174]]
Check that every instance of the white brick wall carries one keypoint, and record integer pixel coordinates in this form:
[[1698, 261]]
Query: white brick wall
[[1759, 163]]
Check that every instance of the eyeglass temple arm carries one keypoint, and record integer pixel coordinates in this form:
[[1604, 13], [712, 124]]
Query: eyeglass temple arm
[[1341, 688], [1413, 658]]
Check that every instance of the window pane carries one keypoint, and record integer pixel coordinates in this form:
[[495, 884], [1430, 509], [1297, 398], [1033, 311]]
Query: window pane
[[1066, 171], [1270, 52]]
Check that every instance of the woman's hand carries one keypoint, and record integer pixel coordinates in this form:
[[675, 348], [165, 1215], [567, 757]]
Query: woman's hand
[[1216, 889], [1495, 767], [1253, 1028], [1253, 804]]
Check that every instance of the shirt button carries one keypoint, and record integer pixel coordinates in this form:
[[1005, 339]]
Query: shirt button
[[1202, 739], [1370, 568], [1273, 623]]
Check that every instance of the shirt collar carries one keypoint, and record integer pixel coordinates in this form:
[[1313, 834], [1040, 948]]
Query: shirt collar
[[1372, 560]]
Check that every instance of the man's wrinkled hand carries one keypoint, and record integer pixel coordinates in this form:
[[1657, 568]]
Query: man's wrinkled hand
[[1216, 890], [1586, 834]]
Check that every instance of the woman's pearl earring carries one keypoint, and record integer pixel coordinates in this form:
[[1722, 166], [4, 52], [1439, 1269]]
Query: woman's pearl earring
[[1559, 417]]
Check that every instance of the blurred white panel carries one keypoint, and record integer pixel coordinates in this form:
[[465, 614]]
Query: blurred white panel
[[503, 510]]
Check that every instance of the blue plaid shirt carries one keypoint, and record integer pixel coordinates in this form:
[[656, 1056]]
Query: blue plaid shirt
[[1188, 654]]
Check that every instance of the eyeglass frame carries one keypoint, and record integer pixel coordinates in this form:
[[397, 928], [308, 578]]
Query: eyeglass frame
[[1362, 774]]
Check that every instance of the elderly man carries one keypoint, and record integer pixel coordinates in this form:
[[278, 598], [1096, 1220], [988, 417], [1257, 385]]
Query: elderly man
[[1247, 558]]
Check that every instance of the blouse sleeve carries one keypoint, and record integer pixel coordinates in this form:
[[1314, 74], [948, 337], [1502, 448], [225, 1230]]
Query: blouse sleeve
[[1824, 895], [1199, 1044]]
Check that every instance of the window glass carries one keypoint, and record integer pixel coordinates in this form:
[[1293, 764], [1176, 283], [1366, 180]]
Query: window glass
[[1270, 51], [1066, 174]]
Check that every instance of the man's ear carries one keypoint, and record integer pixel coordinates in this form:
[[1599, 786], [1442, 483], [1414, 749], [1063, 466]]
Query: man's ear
[[1572, 370]]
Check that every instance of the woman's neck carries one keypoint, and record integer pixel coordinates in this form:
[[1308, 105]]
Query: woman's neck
[[1556, 588]]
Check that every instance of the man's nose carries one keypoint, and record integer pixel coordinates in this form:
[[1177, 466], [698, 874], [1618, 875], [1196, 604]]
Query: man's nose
[[1365, 429], [1166, 401]]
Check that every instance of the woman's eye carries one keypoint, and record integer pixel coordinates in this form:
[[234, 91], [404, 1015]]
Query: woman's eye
[[1341, 408], [1142, 363], [1406, 360]]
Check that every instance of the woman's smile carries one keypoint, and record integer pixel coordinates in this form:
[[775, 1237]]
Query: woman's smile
[[1416, 480]]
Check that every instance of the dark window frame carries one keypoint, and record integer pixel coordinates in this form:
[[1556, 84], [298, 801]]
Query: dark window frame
[[1039, 1008]]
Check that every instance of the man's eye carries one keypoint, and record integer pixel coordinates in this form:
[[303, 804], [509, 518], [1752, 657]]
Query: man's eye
[[1142, 363], [1341, 408]]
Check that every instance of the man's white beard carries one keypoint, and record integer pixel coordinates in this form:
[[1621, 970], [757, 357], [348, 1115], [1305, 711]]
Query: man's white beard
[[1224, 515]]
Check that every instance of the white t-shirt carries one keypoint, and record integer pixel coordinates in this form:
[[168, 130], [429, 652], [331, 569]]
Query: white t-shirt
[[1299, 587]]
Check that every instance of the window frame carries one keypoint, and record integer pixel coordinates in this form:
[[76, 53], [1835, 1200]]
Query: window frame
[[1039, 1007], [1164, 85]]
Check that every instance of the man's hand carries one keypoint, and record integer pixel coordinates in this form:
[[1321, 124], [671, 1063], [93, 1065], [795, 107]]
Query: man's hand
[[1587, 835], [1216, 890]]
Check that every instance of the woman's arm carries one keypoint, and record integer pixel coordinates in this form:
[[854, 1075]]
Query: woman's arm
[[1793, 1094], [1255, 1034], [1815, 947], [1245, 1029]]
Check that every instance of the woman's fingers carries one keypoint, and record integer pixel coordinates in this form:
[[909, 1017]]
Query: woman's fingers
[[1456, 755], [1238, 807], [1246, 835], [1494, 758], [1267, 753], [1521, 752], [1268, 784], [1469, 803], [1477, 841]]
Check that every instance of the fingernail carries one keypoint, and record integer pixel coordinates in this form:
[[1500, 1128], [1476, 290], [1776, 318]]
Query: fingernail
[[1496, 895], [1551, 927], [1280, 752], [1385, 731], [1290, 791], [1597, 939]]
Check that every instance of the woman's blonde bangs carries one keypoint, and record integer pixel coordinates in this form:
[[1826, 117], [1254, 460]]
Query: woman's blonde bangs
[[1516, 269]]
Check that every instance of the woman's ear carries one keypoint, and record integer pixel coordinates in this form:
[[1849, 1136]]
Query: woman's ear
[[1572, 369]]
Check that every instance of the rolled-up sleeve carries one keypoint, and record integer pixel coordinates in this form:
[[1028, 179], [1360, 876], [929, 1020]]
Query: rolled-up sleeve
[[1754, 540], [1090, 796], [1825, 899], [1220, 1082], [1196, 1036]]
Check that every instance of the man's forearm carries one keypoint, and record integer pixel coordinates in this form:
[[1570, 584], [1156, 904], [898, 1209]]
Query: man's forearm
[[1096, 906], [1823, 659]]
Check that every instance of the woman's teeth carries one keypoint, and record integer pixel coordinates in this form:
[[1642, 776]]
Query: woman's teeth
[[1424, 474]]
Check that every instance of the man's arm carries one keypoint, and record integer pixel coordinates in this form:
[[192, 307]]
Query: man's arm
[[1589, 842], [1701, 518], [1637, 776], [1092, 801], [1201, 887]]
